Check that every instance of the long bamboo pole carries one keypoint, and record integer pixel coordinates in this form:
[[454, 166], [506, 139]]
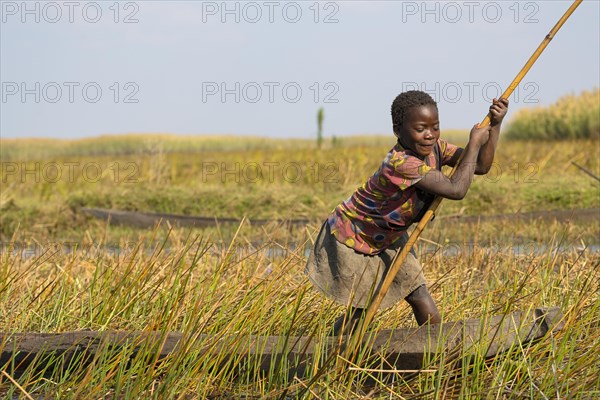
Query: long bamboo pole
[[427, 217], [358, 334]]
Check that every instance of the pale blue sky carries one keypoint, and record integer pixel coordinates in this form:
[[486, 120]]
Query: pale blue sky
[[175, 59]]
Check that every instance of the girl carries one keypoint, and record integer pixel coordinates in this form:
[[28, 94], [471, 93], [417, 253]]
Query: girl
[[358, 241]]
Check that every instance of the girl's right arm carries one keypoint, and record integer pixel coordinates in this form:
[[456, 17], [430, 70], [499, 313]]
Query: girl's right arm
[[456, 187]]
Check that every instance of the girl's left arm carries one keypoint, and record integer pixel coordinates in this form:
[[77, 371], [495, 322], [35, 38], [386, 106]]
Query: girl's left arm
[[485, 158]]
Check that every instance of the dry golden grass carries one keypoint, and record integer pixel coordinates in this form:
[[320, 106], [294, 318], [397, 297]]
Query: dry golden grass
[[249, 280], [178, 283]]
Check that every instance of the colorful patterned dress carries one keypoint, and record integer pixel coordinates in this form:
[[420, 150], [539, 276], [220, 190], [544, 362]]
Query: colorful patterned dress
[[359, 239]]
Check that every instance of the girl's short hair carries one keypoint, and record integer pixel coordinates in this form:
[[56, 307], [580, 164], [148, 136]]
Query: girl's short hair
[[407, 100]]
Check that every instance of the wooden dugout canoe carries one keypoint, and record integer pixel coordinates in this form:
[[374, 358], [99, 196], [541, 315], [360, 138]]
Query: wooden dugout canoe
[[149, 220], [400, 349]]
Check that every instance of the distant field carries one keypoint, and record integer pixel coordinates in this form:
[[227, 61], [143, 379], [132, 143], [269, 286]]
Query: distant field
[[139, 144], [42, 192]]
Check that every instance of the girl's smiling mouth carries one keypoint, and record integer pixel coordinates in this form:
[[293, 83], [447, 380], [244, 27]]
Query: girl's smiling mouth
[[427, 147]]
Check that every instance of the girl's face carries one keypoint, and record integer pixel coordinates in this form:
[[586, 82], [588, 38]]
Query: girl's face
[[420, 130]]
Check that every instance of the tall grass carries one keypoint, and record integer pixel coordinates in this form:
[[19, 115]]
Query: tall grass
[[229, 283], [571, 117], [180, 283]]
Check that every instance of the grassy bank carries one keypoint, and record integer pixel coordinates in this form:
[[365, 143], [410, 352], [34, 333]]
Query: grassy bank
[[43, 197]]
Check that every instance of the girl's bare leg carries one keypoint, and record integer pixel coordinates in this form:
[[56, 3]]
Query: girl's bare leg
[[423, 306], [420, 301]]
